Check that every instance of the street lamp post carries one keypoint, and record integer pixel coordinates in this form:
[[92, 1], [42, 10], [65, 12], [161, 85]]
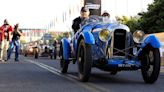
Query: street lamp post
[[94, 11]]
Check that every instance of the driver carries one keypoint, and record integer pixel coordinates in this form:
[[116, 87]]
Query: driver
[[84, 14]]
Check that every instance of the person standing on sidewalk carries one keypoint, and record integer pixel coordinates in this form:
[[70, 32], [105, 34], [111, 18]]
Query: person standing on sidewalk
[[15, 42], [55, 48], [5, 31]]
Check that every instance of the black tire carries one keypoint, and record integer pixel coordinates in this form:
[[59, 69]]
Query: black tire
[[25, 54], [113, 72], [36, 55], [63, 63], [150, 64], [55, 57], [84, 61], [51, 57], [55, 54]]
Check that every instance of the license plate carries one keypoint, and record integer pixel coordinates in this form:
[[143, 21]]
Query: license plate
[[124, 65]]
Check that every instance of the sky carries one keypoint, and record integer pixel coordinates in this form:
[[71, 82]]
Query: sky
[[38, 13], [125, 7], [28, 13]]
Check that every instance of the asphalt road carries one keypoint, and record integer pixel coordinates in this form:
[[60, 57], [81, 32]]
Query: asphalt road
[[43, 75]]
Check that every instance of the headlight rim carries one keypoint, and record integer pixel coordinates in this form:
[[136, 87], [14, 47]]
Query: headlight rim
[[109, 35], [31, 49], [138, 40]]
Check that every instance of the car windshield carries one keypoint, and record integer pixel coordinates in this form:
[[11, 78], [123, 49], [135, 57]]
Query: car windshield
[[97, 19]]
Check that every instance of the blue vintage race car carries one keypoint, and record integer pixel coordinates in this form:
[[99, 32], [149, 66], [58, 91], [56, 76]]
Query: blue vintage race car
[[111, 47]]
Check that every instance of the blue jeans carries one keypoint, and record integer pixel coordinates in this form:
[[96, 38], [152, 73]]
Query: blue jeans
[[12, 44]]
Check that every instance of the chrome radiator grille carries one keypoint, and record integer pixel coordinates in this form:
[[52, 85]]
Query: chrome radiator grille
[[119, 42]]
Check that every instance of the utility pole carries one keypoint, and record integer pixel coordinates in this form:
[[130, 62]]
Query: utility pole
[[94, 11]]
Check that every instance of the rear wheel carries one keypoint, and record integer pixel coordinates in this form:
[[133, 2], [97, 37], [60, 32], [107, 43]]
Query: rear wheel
[[150, 64], [63, 63], [84, 60]]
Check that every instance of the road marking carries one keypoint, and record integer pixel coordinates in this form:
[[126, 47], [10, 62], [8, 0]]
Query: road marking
[[90, 86]]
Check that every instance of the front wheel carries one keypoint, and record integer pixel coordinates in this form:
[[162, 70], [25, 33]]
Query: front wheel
[[51, 57], [150, 64], [84, 60], [54, 54], [25, 54], [36, 56], [36, 53]]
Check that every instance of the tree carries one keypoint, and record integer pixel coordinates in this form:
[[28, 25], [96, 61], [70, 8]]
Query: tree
[[153, 20], [122, 19], [132, 22], [22, 41]]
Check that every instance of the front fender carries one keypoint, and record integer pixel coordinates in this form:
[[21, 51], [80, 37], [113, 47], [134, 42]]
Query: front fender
[[88, 37], [152, 40], [66, 48]]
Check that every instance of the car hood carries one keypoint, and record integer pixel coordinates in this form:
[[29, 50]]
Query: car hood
[[109, 26]]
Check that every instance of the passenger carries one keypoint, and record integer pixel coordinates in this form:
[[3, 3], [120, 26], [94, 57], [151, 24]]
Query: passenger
[[106, 14], [84, 14], [106, 17], [15, 42], [5, 30]]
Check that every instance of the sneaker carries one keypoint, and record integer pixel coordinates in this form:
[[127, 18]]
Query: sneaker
[[2, 60]]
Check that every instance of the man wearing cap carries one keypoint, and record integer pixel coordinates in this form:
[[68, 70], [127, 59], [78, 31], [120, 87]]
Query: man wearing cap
[[106, 14], [84, 14]]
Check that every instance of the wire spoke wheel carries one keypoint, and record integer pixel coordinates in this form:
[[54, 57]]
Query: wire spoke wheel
[[84, 61], [150, 65]]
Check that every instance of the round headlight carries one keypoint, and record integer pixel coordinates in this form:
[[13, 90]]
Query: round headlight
[[31, 49], [104, 35], [41, 42], [138, 36]]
